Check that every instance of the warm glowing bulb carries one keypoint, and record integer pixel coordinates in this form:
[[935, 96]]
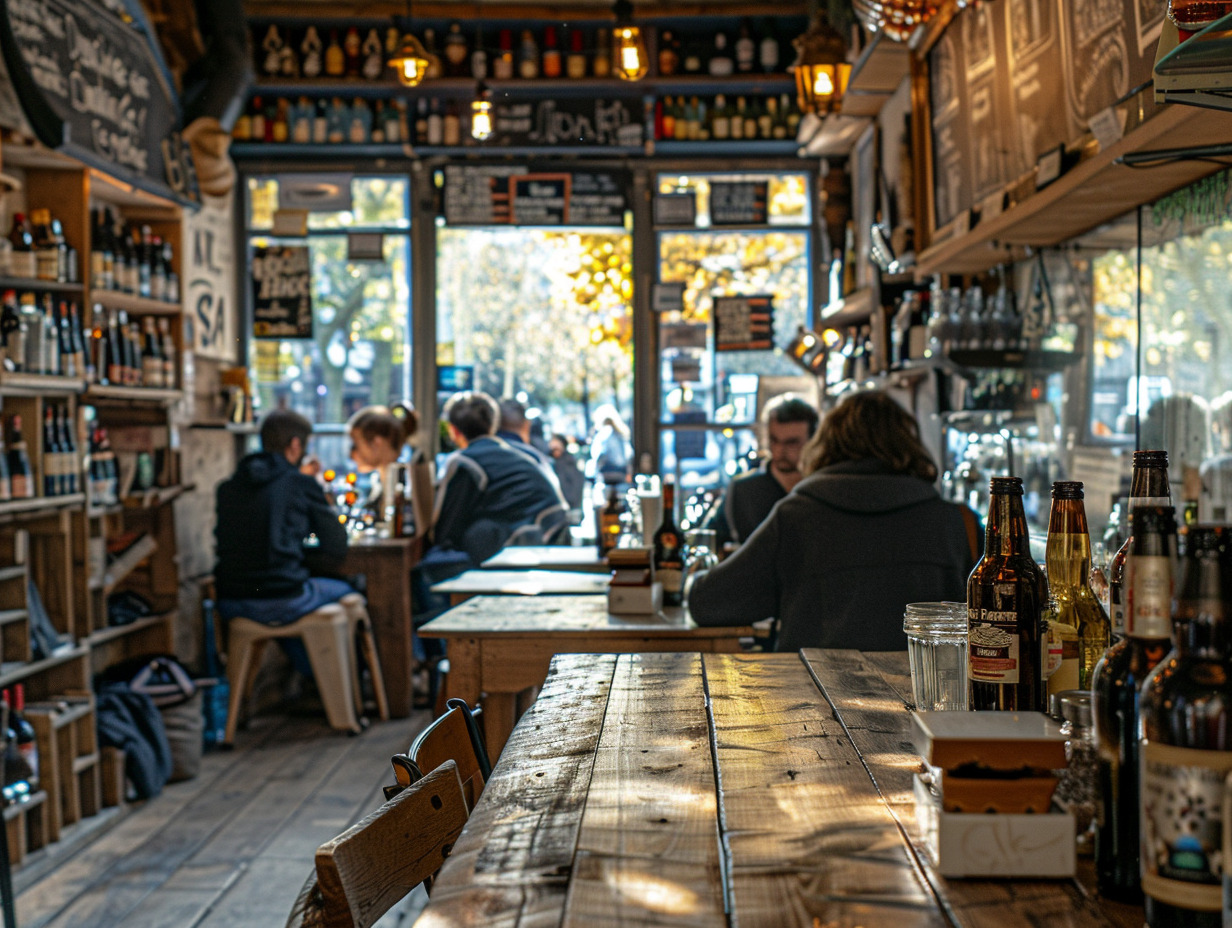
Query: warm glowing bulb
[[631, 53], [823, 84], [481, 119]]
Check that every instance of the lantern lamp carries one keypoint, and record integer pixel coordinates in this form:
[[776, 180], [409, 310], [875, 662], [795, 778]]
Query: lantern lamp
[[631, 60], [481, 114], [821, 68]]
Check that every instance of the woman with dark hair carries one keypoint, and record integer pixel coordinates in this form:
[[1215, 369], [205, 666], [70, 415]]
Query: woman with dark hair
[[378, 434], [861, 536]]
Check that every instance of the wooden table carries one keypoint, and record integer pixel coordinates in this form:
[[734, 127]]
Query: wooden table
[[501, 647], [547, 557], [387, 563], [521, 583], [720, 790]]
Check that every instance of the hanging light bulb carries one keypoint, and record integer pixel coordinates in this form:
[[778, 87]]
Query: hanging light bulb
[[411, 62], [481, 114], [631, 62], [821, 67]]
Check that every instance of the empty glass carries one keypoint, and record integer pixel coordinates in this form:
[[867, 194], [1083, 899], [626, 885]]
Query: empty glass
[[937, 651]]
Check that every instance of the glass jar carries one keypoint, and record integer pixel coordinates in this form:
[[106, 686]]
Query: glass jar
[[1076, 788], [937, 652]]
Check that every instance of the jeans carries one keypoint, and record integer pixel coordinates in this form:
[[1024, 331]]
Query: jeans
[[317, 592]]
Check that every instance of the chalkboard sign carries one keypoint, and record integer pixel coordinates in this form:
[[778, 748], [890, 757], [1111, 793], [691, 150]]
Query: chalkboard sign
[[743, 323], [507, 194], [94, 86], [738, 204], [282, 292], [568, 121]]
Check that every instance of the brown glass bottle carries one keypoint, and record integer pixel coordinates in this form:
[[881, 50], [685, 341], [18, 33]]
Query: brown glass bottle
[[668, 552], [1114, 703], [1148, 487], [1068, 559], [1185, 742], [1006, 596], [608, 518]]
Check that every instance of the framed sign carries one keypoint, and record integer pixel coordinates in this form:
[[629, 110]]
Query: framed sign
[[744, 323], [282, 292], [739, 204], [522, 195], [209, 274]]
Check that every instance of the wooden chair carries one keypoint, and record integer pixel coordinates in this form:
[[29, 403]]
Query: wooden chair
[[452, 737], [364, 871]]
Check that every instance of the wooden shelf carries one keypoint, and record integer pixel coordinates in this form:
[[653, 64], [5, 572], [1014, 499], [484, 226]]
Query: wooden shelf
[[1015, 360], [746, 148], [12, 615], [32, 801], [42, 286], [39, 506], [876, 75], [16, 572], [464, 87], [155, 496], [112, 632], [19, 383], [131, 303], [96, 393], [127, 561], [256, 150], [1093, 192], [16, 671], [119, 193]]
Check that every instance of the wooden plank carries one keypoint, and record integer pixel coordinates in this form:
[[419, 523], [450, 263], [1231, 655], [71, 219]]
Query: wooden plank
[[512, 863], [523, 583], [387, 564], [647, 852], [873, 715], [806, 834]]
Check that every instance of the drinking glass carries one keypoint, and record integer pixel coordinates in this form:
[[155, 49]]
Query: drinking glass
[[937, 652]]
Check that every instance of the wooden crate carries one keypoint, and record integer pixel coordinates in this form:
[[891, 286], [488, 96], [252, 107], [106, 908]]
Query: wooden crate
[[113, 781], [27, 826], [69, 759]]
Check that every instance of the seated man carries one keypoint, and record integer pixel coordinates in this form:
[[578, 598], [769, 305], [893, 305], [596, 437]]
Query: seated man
[[515, 431], [489, 489], [274, 526], [790, 423]]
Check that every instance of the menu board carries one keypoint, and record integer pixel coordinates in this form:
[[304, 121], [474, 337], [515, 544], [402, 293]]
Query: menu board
[[744, 323], [567, 121], [738, 204], [488, 195], [1011, 81], [282, 292], [94, 85]]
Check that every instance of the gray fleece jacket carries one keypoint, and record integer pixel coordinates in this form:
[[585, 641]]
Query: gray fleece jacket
[[839, 558]]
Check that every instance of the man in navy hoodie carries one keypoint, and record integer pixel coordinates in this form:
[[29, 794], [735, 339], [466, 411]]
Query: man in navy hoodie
[[275, 528]]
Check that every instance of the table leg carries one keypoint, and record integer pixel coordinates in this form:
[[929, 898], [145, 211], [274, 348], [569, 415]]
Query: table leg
[[388, 570], [499, 716]]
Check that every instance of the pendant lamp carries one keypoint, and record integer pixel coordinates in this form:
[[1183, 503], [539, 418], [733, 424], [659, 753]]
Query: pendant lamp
[[631, 60], [412, 61]]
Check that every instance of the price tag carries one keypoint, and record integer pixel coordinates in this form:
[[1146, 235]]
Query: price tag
[[1048, 167], [1108, 126], [992, 205]]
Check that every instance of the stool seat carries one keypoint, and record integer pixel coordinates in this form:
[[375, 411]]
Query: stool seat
[[328, 634]]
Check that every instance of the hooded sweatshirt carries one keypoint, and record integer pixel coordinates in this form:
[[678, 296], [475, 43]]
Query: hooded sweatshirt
[[839, 558], [265, 513]]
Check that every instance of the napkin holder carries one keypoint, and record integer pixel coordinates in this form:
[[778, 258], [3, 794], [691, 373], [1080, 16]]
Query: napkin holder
[[633, 589]]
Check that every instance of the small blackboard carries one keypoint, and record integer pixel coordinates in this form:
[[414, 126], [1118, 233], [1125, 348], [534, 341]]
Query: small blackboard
[[675, 209], [738, 204], [743, 323], [93, 85], [282, 292], [567, 121], [524, 195]]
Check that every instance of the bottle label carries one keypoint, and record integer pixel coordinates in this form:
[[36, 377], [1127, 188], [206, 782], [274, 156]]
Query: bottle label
[[993, 646], [1148, 596], [1182, 824], [1116, 609], [1136, 501], [670, 577]]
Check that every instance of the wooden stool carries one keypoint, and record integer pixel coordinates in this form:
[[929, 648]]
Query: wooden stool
[[328, 636], [357, 613]]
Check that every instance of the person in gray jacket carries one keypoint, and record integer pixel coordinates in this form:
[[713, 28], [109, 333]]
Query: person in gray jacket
[[861, 536]]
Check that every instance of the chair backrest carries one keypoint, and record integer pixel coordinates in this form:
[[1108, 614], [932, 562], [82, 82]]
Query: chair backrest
[[364, 871], [452, 737]]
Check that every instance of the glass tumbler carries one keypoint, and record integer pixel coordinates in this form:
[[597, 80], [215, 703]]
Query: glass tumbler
[[937, 651]]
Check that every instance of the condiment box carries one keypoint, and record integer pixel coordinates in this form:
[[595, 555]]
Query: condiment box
[[633, 590], [992, 740]]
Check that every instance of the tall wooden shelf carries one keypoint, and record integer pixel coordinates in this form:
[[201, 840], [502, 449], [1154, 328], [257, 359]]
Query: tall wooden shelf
[[57, 544]]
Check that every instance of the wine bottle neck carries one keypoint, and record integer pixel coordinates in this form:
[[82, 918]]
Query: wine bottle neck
[[1006, 532]]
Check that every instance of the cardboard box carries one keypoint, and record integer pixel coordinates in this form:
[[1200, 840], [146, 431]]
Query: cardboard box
[[995, 740], [1018, 846], [635, 600]]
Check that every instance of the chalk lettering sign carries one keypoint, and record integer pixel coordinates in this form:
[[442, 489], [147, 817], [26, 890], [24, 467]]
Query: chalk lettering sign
[[281, 292], [94, 86], [209, 268], [524, 195], [738, 204], [582, 121], [744, 323]]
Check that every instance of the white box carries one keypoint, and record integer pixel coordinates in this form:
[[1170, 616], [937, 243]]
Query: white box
[[635, 600], [1025, 846]]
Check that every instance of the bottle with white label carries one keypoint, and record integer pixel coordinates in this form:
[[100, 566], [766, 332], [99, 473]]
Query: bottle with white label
[[1115, 687], [1148, 487], [669, 551], [1186, 756], [1007, 594]]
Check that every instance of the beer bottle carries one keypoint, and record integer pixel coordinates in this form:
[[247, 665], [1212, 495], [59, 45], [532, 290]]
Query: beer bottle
[[1148, 487], [1006, 597], [1068, 559], [609, 522], [1114, 697], [1186, 745], [668, 557]]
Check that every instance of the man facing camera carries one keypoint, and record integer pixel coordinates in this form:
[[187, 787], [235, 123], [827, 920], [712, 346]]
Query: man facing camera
[[789, 423]]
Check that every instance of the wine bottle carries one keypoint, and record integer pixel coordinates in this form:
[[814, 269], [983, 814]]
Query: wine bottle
[[668, 556], [20, 473], [609, 522], [27, 743]]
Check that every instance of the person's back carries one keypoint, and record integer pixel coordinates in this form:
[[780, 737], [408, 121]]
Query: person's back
[[838, 559]]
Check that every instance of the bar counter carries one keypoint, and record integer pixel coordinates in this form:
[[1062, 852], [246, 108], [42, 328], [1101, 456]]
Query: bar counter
[[720, 790]]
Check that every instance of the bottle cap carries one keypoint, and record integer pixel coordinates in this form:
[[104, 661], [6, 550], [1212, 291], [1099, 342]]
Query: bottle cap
[[1005, 486], [1067, 489], [1150, 459]]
